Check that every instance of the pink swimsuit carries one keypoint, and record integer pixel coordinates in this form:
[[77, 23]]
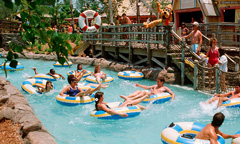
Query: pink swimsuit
[[213, 57]]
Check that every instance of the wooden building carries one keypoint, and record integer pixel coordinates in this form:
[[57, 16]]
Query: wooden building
[[207, 11]]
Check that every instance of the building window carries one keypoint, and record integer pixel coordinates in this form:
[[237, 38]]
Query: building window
[[229, 15]]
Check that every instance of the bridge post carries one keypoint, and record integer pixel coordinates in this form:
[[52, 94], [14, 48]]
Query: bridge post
[[168, 36], [129, 45], [195, 80], [149, 54], [115, 44], [217, 78], [102, 47], [182, 62]]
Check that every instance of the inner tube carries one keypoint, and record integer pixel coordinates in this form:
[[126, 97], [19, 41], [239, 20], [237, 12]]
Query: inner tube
[[73, 101], [233, 103], [92, 79], [184, 133], [132, 111], [190, 62], [46, 77], [8, 68], [236, 140], [88, 73], [130, 75], [84, 86], [29, 85], [57, 64], [158, 98]]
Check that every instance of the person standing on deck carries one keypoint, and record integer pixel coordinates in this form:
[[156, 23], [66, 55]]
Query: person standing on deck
[[126, 20], [196, 38]]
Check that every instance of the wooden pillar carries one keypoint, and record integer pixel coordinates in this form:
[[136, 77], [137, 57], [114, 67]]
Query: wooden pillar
[[115, 44], [130, 46], [217, 78], [195, 80], [102, 47], [182, 62], [149, 52], [168, 32], [219, 35]]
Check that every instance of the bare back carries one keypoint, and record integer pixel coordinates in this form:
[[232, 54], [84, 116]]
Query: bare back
[[126, 20], [235, 95], [208, 133]]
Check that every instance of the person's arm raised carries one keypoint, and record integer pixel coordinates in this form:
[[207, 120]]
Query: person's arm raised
[[143, 86]]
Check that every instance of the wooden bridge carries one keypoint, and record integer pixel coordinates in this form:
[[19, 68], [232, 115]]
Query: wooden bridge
[[160, 46]]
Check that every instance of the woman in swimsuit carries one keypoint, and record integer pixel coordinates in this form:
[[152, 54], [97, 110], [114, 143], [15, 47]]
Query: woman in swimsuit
[[47, 88], [79, 72], [100, 105], [213, 55], [73, 90], [99, 74]]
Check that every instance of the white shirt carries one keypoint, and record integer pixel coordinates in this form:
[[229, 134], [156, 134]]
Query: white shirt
[[223, 60]]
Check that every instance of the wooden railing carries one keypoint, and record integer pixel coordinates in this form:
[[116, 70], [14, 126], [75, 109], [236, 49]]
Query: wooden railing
[[149, 39], [9, 26]]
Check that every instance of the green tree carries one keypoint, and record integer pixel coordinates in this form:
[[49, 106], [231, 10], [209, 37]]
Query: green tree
[[33, 29]]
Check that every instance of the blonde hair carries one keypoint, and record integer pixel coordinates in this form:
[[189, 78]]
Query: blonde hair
[[96, 68]]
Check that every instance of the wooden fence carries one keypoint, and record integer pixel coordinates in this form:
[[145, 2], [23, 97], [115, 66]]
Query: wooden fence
[[9, 26]]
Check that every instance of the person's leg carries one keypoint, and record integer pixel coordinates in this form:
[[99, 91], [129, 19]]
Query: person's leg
[[221, 100], [141, 107], [96, 85], [209, 75], [132, 94], [136, 101], [35, 70]]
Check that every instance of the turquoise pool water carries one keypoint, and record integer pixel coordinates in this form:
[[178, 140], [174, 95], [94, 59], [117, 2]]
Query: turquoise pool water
[[72, 125]]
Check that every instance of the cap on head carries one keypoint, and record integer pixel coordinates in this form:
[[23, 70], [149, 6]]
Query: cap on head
[[195, 23], [183, 23]]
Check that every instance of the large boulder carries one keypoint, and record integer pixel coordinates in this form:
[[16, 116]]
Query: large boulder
[[38, 137]]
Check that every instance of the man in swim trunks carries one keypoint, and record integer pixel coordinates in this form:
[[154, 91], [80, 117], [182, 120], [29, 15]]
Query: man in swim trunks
[[210, 131], [154, 89], [196, 38], [225, 97]]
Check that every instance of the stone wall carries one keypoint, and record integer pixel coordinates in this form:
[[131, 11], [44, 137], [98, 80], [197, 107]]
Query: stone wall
[[7, 37], [16, 108], [172, 75]]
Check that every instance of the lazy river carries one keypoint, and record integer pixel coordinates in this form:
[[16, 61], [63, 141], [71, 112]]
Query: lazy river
[[71, 125]]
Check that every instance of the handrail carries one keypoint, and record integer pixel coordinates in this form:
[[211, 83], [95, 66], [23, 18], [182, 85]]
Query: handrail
[[230, 59], [193, 53]]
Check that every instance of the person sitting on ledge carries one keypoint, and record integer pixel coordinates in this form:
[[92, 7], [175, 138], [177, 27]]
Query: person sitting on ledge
[[154, 89], [210, 131]]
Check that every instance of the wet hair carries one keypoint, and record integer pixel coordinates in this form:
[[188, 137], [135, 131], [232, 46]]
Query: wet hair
[[211, 41], [71, 78], [221, 51], [161, 78], [123, 14], [96, 68], [78, 66], [98, 95], [51, 70], [47, 83], [218, 119]]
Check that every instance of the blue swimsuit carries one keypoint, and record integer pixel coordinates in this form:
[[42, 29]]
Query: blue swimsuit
[[72, 92]]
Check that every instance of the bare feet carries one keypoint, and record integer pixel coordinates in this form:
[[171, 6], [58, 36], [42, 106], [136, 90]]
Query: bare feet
[[99, 87], [124, 97], [104, 86], [34, 68]]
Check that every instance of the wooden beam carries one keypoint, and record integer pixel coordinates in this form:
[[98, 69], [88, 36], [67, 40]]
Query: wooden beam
[[141, 61], [124, 58], [111, 54], [158, 62], [97, 55]]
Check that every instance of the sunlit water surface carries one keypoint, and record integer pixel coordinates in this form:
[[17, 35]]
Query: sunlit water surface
[[71, 125]]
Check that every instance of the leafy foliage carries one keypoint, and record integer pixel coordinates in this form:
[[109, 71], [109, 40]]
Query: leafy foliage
[[34, 31]]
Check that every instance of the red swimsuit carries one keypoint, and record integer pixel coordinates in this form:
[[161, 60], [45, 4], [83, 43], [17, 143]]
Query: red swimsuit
[[213, 57]]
